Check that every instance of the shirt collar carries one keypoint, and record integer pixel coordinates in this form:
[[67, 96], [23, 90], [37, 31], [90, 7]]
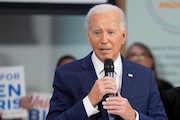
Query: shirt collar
[[99, 66]]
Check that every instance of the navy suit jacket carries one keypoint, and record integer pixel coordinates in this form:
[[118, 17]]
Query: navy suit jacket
[[73, 81]]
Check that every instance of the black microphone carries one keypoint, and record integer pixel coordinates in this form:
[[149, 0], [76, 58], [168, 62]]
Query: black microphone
[[109, 70]]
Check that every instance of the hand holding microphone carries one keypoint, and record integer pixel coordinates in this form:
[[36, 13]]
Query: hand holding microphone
[[104, 85], [124, 110], [109, 70]]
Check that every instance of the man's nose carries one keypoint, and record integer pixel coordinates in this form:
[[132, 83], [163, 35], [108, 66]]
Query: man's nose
[[104, 38]]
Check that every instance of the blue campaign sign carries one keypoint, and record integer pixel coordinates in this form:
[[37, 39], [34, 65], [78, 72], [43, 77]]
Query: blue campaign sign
[[9, 76], [12, 88]]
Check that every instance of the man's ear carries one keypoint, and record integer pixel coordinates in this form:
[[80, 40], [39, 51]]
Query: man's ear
[[124, 37], [87, 35]]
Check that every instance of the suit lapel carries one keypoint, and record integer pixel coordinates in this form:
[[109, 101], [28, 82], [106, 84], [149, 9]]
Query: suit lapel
[[127, 79], [89, 78], [88, 73]]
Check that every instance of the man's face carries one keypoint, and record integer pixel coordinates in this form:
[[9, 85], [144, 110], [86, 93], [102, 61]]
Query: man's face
[[105, 35]]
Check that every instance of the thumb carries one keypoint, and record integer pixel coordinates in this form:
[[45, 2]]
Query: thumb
[[118, 94]]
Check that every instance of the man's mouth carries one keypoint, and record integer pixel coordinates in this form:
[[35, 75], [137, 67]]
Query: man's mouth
[[105, 50]]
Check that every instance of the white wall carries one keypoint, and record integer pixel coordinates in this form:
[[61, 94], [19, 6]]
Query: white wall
[[158, 27], [44, 35]]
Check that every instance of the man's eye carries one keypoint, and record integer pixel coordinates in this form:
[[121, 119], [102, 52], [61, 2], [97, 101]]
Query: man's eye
[[110, 32], [97, 33]]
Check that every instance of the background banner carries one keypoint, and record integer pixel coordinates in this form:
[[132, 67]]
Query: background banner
[[40, 103], [12, 89]]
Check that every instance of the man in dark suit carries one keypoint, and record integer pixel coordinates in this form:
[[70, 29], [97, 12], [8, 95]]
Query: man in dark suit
[[171, 101], [80, 88]]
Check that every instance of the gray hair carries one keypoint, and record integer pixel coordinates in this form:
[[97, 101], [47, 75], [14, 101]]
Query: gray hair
[[105, 8]]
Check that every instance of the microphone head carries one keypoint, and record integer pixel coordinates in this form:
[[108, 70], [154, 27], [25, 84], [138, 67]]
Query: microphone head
[[108, 65], [109, 70]]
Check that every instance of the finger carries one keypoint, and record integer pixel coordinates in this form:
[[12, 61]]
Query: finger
[[106, 83], [109, 82], [119, 95], [109, 87]]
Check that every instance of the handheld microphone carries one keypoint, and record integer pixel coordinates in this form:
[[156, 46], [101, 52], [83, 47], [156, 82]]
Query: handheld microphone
[[109, 70]]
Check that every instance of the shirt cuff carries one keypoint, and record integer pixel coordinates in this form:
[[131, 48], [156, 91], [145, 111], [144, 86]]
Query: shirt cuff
[[90, 109], [137, 115]]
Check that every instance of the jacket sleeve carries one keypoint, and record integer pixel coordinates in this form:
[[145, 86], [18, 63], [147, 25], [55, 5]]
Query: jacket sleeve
[[62, 104], [156, 109]]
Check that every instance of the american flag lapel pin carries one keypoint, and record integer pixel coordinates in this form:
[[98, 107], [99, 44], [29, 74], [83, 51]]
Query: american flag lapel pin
[[130, 75]]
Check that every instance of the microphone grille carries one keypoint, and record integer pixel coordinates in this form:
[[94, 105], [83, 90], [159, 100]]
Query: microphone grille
[[108, 65]]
